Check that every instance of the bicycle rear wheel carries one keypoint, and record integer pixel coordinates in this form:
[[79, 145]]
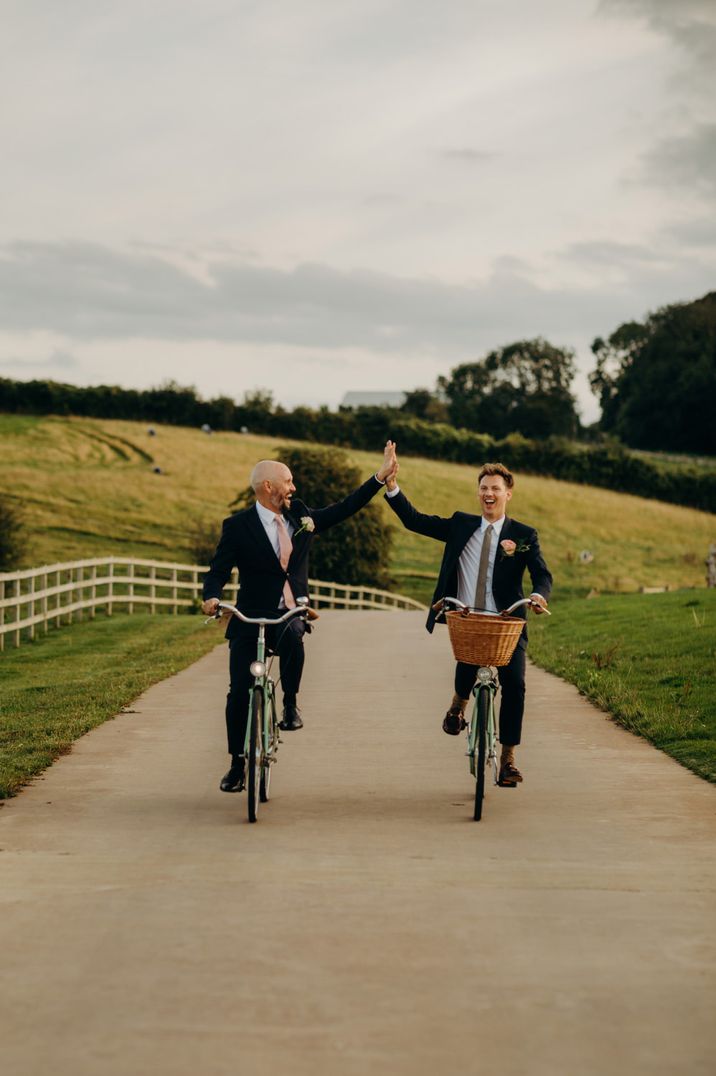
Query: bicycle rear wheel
[[483, 711], [255, 759]]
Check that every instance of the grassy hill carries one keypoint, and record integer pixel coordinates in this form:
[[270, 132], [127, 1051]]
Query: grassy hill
[[88, 489]]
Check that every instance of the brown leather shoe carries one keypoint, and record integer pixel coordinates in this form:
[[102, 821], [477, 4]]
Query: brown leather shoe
[[454, 722], [510, 776]]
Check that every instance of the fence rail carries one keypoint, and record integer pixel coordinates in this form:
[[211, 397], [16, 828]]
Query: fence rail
[[33, 599]]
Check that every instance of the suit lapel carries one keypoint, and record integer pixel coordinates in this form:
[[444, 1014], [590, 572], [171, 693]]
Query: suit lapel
[[504, 533], [258, 531], [465, 533]]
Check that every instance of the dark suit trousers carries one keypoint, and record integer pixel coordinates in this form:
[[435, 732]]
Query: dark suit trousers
[[512, 684], [287, 642]]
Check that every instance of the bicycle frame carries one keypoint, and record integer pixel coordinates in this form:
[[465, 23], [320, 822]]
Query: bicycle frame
[[265, 684]]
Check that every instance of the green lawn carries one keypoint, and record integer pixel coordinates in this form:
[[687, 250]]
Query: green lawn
[[64, 684], [649, 660]]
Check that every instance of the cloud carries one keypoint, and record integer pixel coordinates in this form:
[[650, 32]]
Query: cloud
[[467, 155], [687, 161], [86, 291], [58, 360]]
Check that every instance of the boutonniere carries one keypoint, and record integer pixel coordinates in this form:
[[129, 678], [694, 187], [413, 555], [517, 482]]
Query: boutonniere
[[307, 524], [509, 548]]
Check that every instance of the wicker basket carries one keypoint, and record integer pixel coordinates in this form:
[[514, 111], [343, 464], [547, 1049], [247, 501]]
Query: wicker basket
[[479, 639]]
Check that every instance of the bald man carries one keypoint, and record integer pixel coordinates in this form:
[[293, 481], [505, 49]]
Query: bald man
[[251, 541]]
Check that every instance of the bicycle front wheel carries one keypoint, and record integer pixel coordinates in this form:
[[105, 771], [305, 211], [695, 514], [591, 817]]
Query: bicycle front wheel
[[269, 760], [484, 702], [255, 759]]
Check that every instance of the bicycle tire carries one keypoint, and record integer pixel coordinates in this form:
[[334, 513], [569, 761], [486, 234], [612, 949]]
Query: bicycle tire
[[483, 710], [266, 766], [254, 761]]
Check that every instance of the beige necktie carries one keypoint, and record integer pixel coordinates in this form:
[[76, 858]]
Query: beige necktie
[[285, 548], [481, 588]]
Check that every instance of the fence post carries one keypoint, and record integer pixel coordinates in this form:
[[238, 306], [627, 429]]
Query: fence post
[[43, 603], [93, 591], [32, 606], [130, 587], [175, 607], [16, 633], [79, 578], [152, 590], [110, 586], [70, 592]]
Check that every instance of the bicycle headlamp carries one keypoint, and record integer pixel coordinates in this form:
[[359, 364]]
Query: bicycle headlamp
[[484, 674], [257, 668]]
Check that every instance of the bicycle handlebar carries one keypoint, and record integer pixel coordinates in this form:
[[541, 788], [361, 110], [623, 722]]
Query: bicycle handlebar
[[440, 604], [302, 609]]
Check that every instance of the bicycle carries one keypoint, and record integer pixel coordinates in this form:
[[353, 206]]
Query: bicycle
[[262, 731], [488, 641]]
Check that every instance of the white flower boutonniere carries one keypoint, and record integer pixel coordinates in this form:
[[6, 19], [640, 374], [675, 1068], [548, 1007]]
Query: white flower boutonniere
[[307, 524]]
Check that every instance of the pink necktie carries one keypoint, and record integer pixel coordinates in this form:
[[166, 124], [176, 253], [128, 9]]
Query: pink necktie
[[285, 547]]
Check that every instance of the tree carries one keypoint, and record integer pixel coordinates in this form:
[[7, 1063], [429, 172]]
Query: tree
[[656, 381], [426, 405], [354, 552], [11, 535], [521, 388]]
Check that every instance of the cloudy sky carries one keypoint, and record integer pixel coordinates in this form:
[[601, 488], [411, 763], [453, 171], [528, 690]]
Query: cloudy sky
[[313, 196]]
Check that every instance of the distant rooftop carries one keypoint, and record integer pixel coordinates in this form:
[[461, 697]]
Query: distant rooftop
[[373, 399]]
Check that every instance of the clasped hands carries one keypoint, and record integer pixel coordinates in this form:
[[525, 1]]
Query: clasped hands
[[389, 470]]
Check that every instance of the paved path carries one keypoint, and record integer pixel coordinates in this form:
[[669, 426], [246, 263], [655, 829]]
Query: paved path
[[365, 925]]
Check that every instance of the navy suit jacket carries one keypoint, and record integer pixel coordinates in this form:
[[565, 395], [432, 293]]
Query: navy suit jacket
[[244, 544], [455, 532]]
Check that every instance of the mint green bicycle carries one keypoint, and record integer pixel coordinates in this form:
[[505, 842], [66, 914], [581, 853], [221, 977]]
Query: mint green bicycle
[[262, 732], [488, 641]]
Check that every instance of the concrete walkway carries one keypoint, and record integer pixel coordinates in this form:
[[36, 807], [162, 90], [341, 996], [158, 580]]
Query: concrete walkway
[[365, 924]]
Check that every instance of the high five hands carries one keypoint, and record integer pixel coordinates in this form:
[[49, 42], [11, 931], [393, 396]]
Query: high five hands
[[389, 469]]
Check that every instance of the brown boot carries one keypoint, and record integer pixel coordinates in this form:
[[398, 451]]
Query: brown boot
[[454, 720], [510, 776]]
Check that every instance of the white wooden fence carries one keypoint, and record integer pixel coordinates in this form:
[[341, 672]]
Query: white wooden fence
[[31, 600]]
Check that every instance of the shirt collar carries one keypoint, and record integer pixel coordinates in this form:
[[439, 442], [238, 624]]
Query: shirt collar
[[496, 526], [266, 515]]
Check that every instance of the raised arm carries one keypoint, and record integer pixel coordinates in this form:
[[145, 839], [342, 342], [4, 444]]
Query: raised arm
[[336, 513], [436, 527]]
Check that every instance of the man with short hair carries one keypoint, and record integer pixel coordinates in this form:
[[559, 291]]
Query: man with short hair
[[269, 543], [484, 561]]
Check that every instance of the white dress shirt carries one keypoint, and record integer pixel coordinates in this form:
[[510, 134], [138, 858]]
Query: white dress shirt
[[468, 565], [271, 524]]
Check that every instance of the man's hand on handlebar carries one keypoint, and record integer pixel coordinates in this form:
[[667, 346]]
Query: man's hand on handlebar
[[210, 606], [538, 603]]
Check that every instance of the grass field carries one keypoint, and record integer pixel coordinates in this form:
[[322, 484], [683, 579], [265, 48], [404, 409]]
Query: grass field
[[55, 690], [648, 659], [88, 489]]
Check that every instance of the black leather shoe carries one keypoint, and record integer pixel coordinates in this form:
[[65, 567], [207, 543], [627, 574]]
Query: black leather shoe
[[233, 779], [291, 719]]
